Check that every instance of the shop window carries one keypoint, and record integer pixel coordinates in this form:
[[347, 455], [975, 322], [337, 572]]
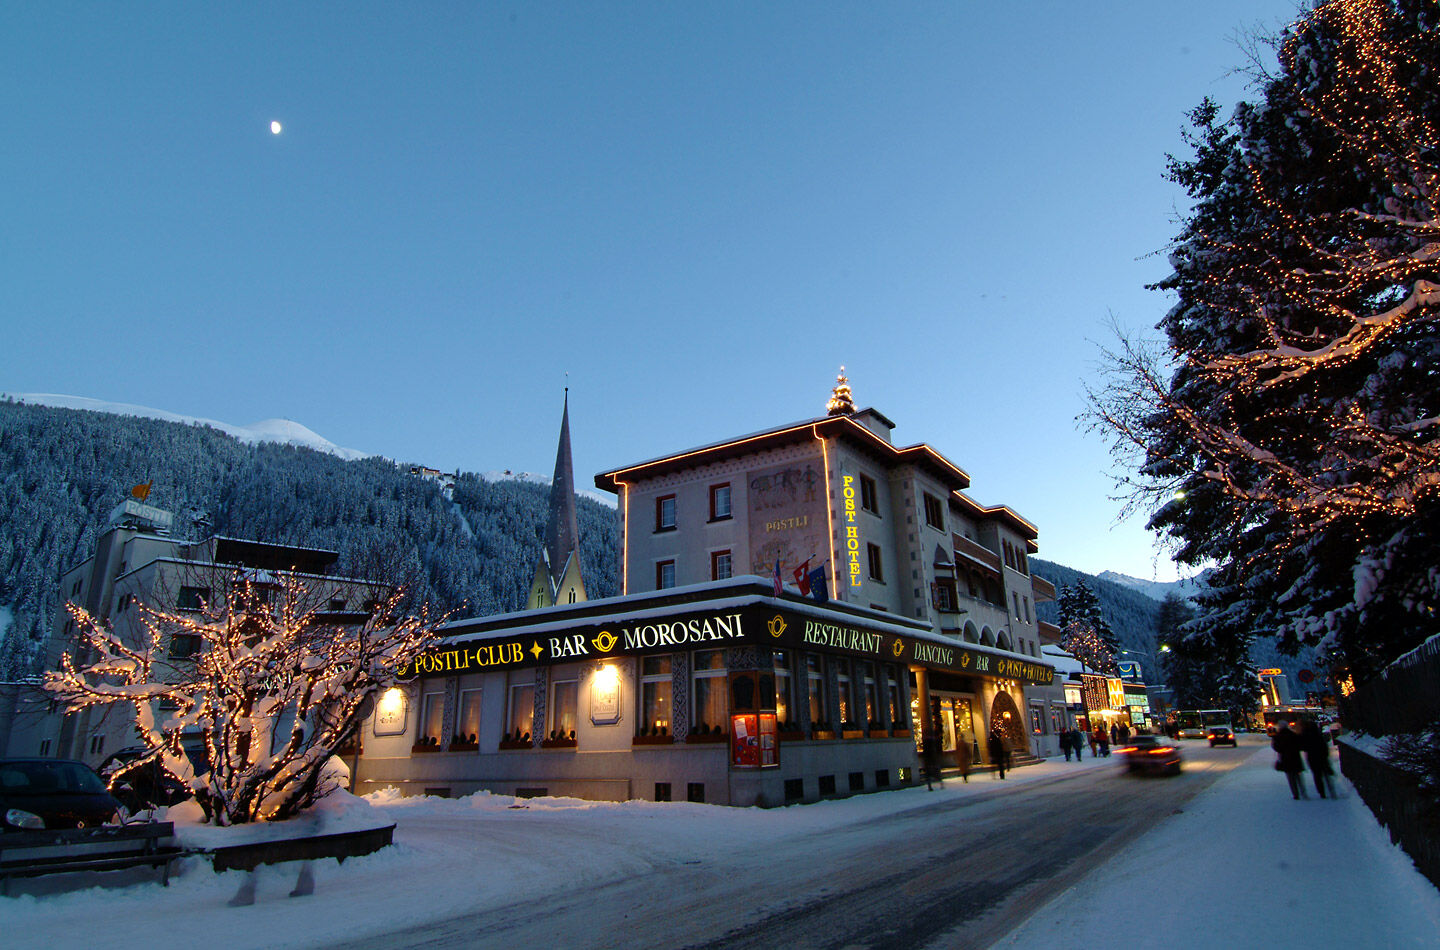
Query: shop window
[[815, 682], [665, 513], [847, 698], [719, 565], [432, 715], [563, 706], [655, 688], [1037, 720], [522, 712], [877, 568], [467, 730], [872, 699], [709, 692], [720, 502], [869, 499], [783, 695], [934, 512], [664, 575], [752, 720], [892, 697]]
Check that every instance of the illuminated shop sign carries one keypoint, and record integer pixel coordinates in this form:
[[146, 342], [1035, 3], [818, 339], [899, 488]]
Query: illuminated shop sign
[[852, 531], [761, 627], [1097, 692]]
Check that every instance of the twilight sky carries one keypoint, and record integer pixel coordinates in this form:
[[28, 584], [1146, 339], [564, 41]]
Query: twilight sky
[[697, 211]]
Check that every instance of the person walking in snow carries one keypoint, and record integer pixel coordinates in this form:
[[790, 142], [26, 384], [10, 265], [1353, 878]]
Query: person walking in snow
[[999, 755], [964, 757], [1287, 759], [1077, 741], [1102, 739], [1317, 755], [1114, 734], [1065, 745], [1093, 737]]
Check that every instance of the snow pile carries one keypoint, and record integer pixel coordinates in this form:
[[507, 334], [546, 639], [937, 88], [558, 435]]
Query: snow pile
[[283, 431]]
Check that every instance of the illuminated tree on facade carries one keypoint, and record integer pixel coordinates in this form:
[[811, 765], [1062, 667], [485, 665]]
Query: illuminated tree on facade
[[1085, 634], [1287, 431], [272, 691]]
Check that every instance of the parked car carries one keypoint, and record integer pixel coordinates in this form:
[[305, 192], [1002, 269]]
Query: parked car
[[36, 794], [139, 784], [1150, 754], [1220, 735]]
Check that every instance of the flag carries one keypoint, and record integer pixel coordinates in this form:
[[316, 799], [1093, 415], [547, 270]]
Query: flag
[[818, 584], [802, 578], [779, 587], [142, 492]]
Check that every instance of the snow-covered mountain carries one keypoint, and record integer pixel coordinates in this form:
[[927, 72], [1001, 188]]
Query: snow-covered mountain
[[1156, 590], [283, 431], [534, 478]]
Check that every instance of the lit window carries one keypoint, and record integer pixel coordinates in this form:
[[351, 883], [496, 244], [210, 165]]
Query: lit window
[[720, 565], [664, 575], [709, 692], [522, 710], [665, 513], [815, 681], [782, 686], [719, 502], [431, 718], [468, 728], [564, 701], [656, 684]]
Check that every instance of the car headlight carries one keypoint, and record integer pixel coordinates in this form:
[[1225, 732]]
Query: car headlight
[[20, 818]]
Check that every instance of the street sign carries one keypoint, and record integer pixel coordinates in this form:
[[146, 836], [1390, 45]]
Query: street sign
[[1306, 676], [1273, 672]]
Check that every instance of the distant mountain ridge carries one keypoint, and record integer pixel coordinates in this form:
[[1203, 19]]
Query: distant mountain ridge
[[1186, 587]]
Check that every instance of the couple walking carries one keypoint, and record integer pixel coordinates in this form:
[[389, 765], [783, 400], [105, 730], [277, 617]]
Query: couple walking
[[1296, 740]]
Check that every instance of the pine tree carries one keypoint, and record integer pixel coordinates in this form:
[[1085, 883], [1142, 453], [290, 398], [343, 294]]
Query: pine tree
[[1085, 633], [1290, 429]]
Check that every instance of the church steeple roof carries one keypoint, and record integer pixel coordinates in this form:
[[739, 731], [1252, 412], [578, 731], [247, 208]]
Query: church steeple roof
[[562, 532]]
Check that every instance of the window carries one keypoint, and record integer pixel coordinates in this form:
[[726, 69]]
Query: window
[[522, 711], [44, 746], [571, 598], [709, 692], [782, 686], [892, 696], [1057, 719], [1016, 597], [664, 575], [720, 502], [564, 701], [815, 680], [847, 698], [944, 596], [869, 500], [432, 715], [934, 512], [184, 645], [665, 513], [877, 572], [468, 728], [96, 744], [75, 591], [872, 699], [655, 687], [1026, 601], [1037, 720], [719, 565], [337, 604], [192, 598]]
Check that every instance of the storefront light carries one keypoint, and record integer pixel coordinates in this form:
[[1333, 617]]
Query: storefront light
[[607, 677], [392, 702]]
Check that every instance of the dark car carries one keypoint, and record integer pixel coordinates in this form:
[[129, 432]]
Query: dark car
[[139, 784], [1150, 754], [36, 794], [1220, 735]]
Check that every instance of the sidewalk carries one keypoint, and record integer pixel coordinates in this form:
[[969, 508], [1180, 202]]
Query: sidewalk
[[1245, 865]]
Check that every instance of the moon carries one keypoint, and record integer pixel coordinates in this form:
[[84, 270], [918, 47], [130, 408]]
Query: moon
[[275, 127]]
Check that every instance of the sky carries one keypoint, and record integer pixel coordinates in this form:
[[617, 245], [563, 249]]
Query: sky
[[691, 214]]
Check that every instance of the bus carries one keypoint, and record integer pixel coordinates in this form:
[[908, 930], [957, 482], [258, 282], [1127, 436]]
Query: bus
[[1195, 723]]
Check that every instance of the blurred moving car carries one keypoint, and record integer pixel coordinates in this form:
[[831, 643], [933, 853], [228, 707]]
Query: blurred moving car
[[37, 794], [139, 784], [1155, 754], [1220, 735]]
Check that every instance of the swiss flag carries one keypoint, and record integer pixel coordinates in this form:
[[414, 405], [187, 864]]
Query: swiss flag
[[802, 578]]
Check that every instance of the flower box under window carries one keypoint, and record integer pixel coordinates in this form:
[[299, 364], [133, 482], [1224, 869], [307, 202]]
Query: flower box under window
[[516, 744], [424, 747], [652, 740], [558, 743], [852, 733], [822, 734], [696, 738], [463, 745], [794, 735]]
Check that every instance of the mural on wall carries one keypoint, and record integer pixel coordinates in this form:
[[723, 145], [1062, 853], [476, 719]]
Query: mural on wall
[[787, 517]]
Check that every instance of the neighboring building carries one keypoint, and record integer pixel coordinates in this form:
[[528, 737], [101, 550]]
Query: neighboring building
[[557, 573], [135, 562], [703, 677]]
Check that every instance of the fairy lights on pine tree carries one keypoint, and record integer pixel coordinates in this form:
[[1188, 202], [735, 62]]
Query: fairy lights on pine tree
[[273, 691], [840, 403]]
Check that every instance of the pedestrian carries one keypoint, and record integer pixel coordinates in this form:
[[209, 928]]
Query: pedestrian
[[1124, 732], [1065, 745], [1114, 734], [1077, 742], [1094, 742], [1316, 747], [930, 761], [1102, 741], [964, 758], [998, 753], [1287, 758]]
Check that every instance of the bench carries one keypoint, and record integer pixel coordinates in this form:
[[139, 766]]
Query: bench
[[31, 853]]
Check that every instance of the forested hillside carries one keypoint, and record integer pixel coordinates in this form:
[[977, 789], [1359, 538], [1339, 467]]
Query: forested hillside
[[1131, 614], [63, 470]]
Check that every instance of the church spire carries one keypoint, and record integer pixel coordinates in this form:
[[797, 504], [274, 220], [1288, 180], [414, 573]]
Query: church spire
[[841, 403], [562, 532]]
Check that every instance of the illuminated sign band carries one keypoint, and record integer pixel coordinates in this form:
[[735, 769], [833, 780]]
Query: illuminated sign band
[[852, 531], [758, 625]]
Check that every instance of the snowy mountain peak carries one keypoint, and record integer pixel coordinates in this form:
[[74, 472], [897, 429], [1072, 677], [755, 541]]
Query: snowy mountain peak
[[1157, 590], [283, 431]]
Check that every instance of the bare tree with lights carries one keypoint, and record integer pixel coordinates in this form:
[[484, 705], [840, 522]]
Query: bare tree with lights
[[1287, 430], [272, 692]]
